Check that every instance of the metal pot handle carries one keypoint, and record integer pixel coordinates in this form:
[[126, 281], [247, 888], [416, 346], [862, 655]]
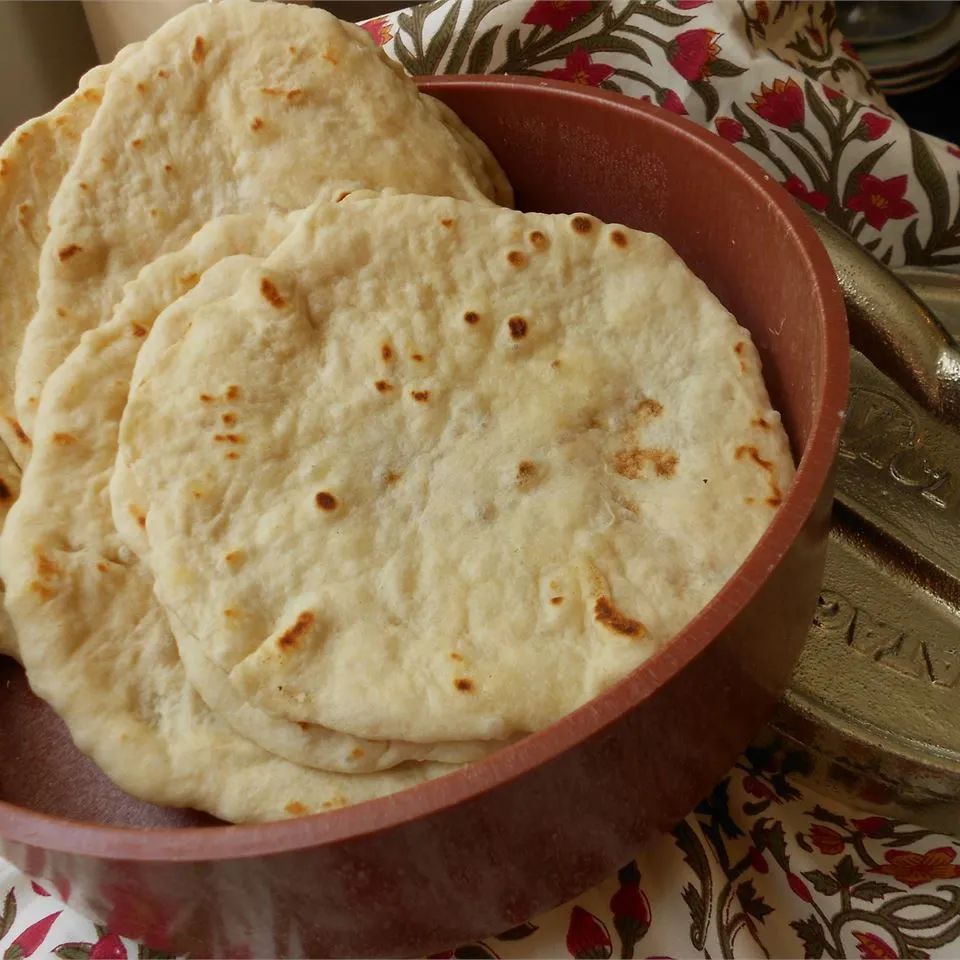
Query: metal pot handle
[[891, 327]]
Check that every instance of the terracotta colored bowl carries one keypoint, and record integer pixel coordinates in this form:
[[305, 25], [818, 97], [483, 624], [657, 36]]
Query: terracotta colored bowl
[[540, 821]]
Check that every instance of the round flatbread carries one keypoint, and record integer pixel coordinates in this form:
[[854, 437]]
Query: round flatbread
[[438, 471], [206, 120]]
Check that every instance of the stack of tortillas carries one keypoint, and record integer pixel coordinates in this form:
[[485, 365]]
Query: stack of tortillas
[[338, 472]]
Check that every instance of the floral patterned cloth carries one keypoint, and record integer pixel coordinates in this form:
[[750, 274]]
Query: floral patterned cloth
[[762, 867]]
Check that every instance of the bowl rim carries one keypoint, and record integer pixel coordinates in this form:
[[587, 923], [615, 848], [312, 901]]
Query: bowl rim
[[240, 841]]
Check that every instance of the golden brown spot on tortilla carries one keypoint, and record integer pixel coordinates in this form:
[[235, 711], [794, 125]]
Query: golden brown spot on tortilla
[[518, 327], [416, 357], [760, 422], [556, 601], [300, 723], [61, 312], [65, 253], [18, 431], [23, 137], [343, 195], [271, 294], [102, 567], [538, 240], [229, 438], [631, 463], [446, 222], [291, 637], [471, 317], [46, 568], [141, 87], [747, 450], [463, 684], [232, 455], [42, 590], [607, 614], [294, 95], [292, 49], [197, 494], [136, 144], [189, 280], [4, 167], [386, 351], [199, 50], [256, 123], [421, 396], [231, 614], [64, 439], [138, 330], [356, 753], [383, 386], [163, 74], [233, 392], [168, 167], [84, 186], [648, 409], [330, 58], [154, 212], [618, 238], [5, 493], [326, 501], [137, 515], [738, 350], [391, 478], [229, 419], [526, 473], [23, 214], [555, 364], [456, 656], [234, 557], [206, 398], [517, 258], [295, 808], [581, 224]]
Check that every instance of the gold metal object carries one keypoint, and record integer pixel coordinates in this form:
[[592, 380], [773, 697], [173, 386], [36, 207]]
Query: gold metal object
[[875, 697]]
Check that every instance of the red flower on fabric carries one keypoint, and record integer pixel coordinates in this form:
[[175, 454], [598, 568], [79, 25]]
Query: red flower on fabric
[[782, 104], [587, 936], [110, 947], [670, 101], [755, 787], [952, 150], [913, 868], [881, 200], [689, 4], [556, 14], [690, 53], [872, 947], [379, 29], [731, 130], [826, 840], [874, 826], [872, 126], [833, 95], [37, 889], [847, 48], [27, 943], [763, 11], [799, 888], [819, 201], [580, 68], [630, 901], [815, 35], [758, 861]]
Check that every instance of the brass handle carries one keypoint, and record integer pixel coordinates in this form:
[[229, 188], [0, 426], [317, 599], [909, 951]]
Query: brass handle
[[891, 327]]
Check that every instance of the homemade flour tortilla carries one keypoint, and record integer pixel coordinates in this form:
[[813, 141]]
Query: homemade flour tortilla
[[437, 471], [33, 162], [96, 644], [229, 107]]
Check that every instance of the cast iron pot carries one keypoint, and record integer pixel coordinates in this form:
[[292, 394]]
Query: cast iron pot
[[538, 822]]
